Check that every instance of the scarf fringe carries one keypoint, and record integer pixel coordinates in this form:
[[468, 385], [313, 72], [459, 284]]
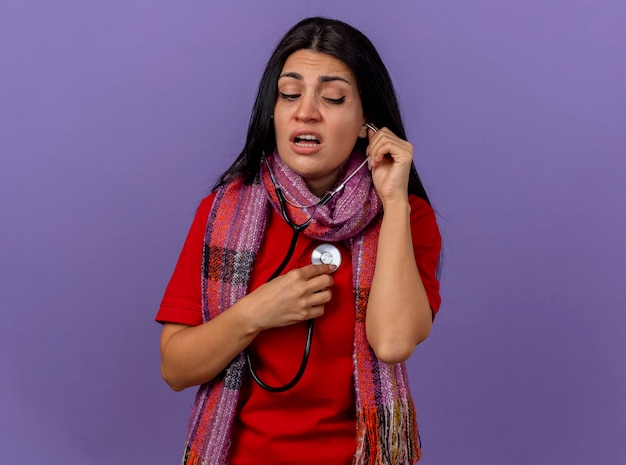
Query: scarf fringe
[[388, 435]]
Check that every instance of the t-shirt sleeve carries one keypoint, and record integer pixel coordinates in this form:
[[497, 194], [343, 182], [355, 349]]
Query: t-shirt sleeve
[[182, 302], [426, 247]]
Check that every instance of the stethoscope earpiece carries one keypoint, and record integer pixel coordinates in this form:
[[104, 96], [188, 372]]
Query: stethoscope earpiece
[[371, 126]]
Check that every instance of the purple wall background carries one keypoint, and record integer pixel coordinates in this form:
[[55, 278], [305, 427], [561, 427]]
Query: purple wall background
[[116, 117]]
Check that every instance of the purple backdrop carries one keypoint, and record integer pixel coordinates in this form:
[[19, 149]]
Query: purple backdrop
[[117, 116]]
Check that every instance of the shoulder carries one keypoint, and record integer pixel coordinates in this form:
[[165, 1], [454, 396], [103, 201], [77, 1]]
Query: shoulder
[[205, 206]]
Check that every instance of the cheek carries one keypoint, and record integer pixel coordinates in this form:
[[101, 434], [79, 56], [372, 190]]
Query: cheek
[[348, 133], [279, 124]]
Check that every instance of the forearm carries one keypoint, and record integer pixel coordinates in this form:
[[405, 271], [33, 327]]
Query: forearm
[[398, 312], [195, 355]]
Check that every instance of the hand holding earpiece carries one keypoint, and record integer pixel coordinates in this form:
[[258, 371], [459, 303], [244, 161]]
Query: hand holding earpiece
[[390, 161]]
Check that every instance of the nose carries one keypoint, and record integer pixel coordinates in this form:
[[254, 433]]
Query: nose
[[308, 108]]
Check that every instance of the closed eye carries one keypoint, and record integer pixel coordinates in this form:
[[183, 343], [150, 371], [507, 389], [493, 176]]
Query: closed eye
[[288, 96], [336, 101]]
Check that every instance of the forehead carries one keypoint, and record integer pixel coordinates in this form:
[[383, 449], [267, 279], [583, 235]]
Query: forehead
[[316, 64]]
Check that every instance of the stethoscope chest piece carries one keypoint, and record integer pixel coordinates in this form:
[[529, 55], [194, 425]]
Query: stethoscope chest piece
[[326, 254]]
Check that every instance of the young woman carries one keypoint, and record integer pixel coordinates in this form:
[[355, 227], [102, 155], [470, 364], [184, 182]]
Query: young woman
[[307, 279]]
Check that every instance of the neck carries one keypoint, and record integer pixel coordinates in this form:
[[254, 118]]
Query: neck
[[320, 188]]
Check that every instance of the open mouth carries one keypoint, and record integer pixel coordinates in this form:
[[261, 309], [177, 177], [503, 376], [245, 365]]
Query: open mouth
[[306, 140]]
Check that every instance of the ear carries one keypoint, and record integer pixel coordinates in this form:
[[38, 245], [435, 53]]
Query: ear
[[363, 131]]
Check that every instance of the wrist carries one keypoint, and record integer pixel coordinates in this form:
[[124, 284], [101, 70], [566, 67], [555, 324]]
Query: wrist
[[396, 205], [246, 318]]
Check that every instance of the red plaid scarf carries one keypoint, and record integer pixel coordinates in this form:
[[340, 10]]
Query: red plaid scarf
[[386, 424]]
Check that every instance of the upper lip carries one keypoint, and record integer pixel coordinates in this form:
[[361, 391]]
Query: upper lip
[[305, 132]]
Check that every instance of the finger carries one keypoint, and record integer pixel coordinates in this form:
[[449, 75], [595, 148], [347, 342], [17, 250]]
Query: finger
[[310, 313], [379, 144], [305, 289], [384, 137], [314, 312], [319, 298], [311, 271], [396, 150]]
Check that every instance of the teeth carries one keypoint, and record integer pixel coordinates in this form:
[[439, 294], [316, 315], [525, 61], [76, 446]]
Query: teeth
[[306, 137]]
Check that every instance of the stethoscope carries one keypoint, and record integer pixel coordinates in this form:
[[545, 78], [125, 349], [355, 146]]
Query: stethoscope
[[323, 254]]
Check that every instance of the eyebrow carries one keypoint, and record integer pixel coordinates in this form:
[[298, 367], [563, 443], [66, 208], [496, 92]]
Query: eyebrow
[[321, 79]]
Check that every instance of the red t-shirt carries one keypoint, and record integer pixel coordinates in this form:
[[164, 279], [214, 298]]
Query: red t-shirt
[[315, 421]]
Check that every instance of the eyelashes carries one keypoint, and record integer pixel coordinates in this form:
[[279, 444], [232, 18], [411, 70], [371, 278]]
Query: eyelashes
[[288, 96], [293, 97], [336, 101]]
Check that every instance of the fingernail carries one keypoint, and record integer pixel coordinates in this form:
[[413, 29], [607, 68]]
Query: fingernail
[[333, 267]]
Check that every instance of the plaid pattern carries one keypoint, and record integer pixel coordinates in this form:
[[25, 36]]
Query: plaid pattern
[[386, 424]]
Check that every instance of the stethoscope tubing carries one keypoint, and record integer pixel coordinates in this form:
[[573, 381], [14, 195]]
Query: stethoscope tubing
[[297, 228], [310, 323]]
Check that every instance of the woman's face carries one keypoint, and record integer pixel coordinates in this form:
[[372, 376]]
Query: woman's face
[[317, 117]]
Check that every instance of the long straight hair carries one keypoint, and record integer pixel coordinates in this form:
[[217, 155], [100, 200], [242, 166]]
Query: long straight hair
[[341, 41]]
